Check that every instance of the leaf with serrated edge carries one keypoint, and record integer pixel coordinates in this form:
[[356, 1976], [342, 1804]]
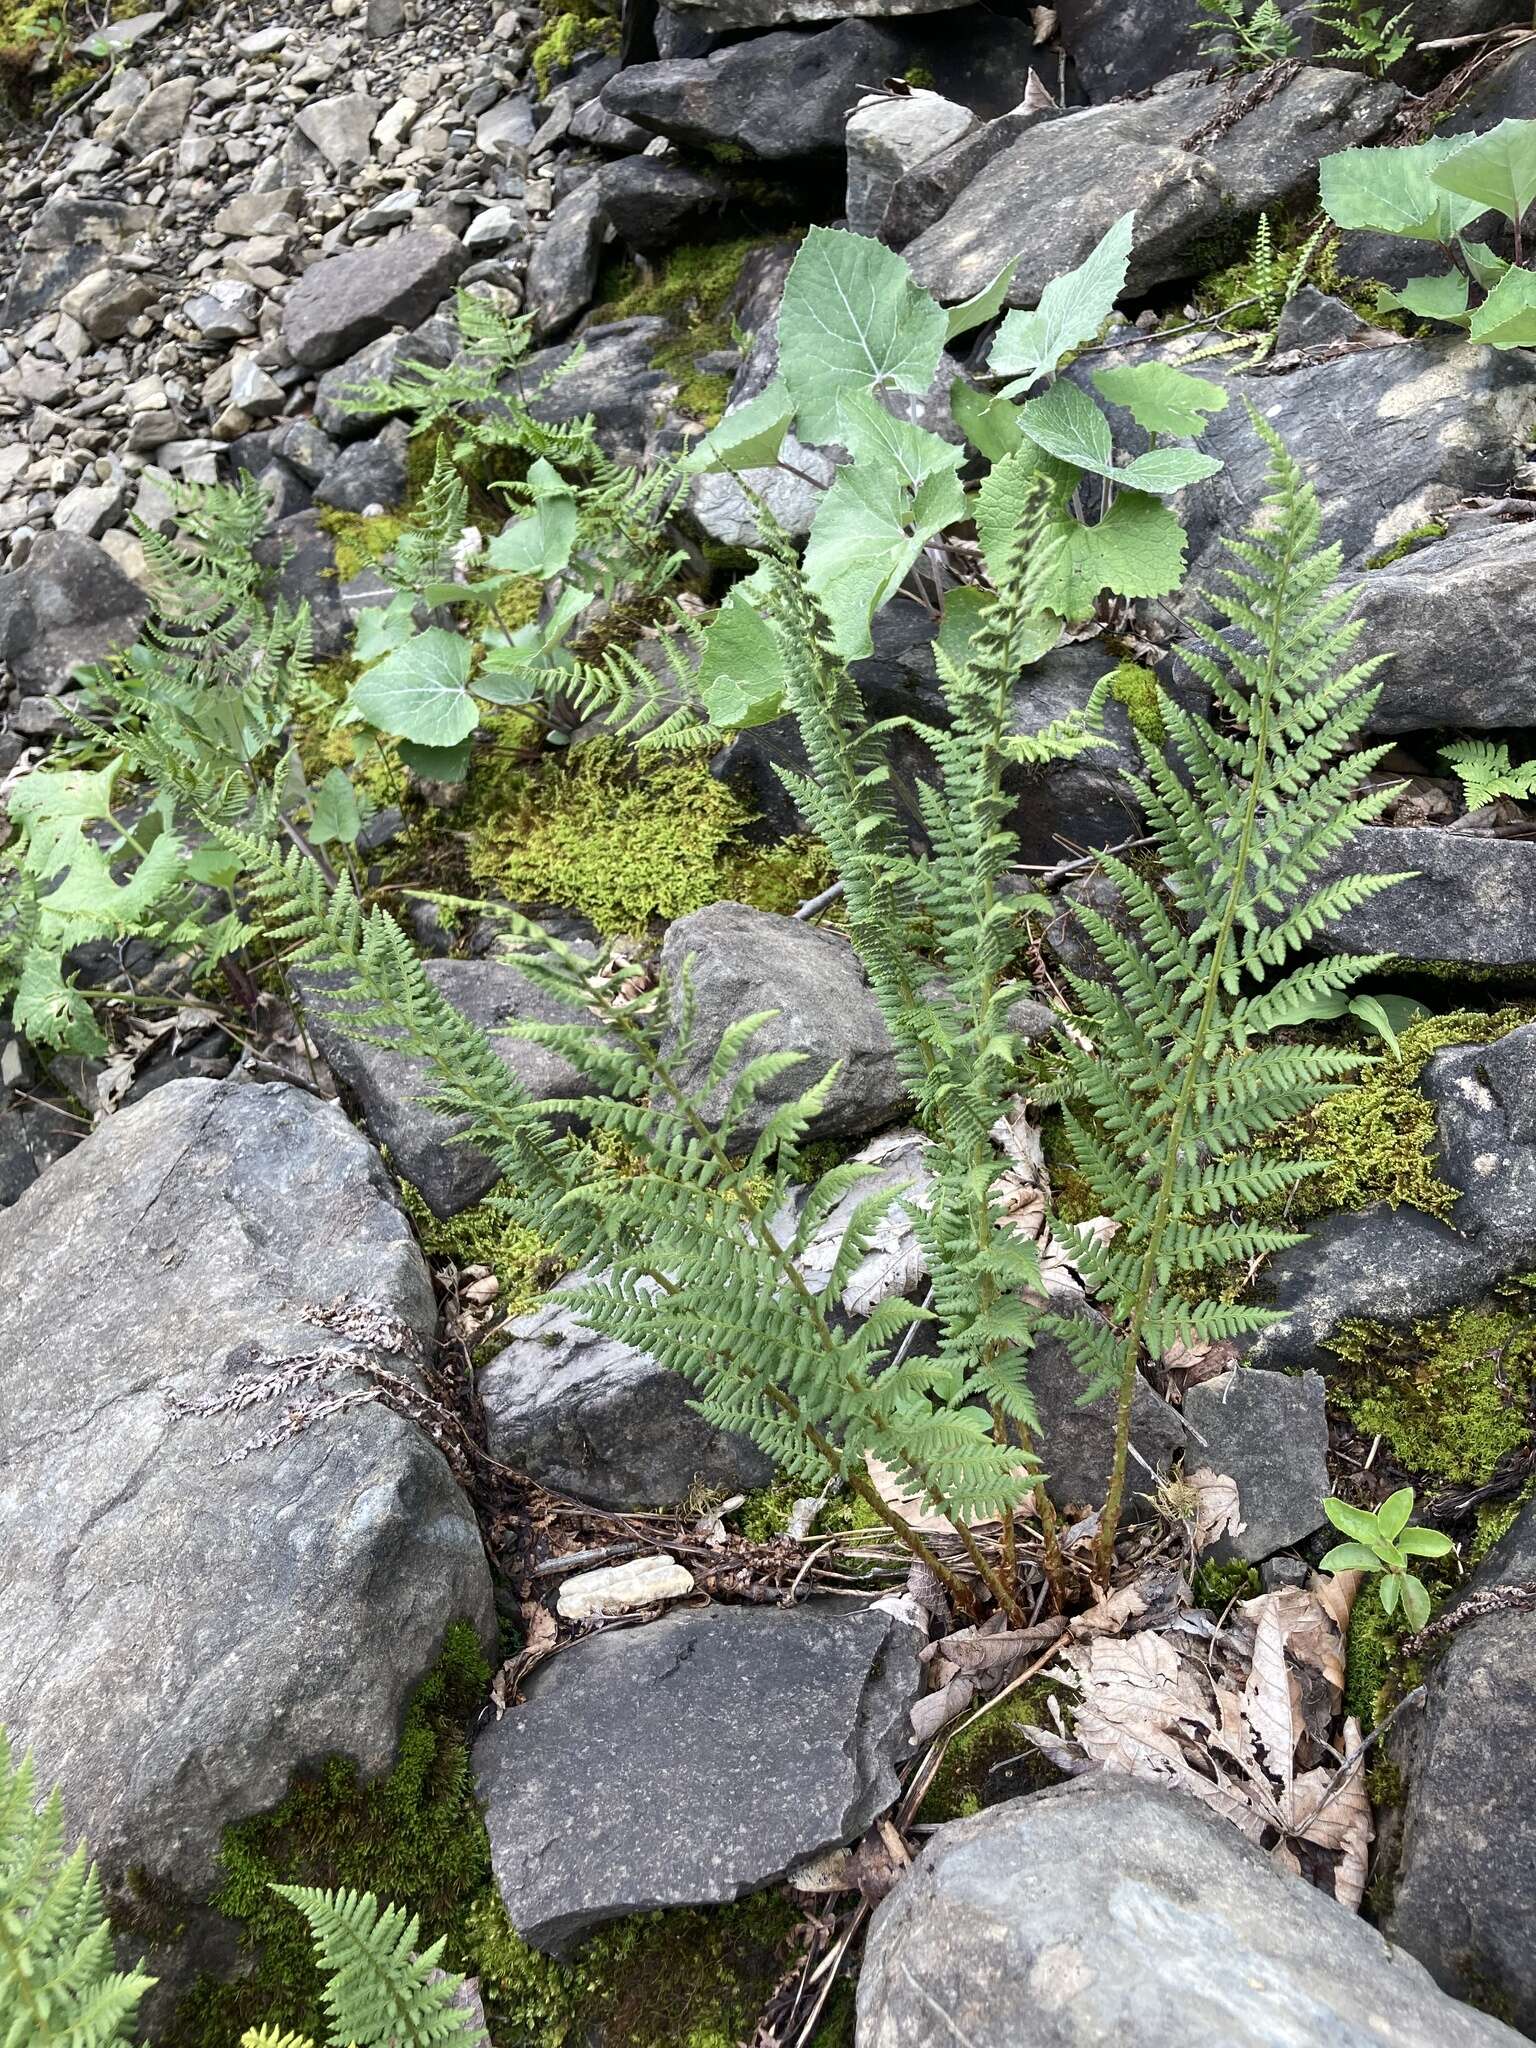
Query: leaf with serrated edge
[[1495, 169], [867, 533], [1072, 309], [418, 692], [1394, 191], [750, 435], [740, 677], [853, 321], [1136, 550], [1160, 398], [1507, 317], [1430, 298]]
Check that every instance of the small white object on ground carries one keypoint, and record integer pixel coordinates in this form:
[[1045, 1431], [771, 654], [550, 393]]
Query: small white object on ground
[[621, 1588]]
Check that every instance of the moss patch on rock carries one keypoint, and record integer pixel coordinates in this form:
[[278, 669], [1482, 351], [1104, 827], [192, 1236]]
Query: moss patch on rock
[[579, 27], [486, 1235], [621, 839], [692, 288], [1135, 688]]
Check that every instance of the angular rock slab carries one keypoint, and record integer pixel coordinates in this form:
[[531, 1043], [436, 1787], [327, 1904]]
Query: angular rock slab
[[341, 302], [589, 1416], [390, 1087], [741, 962], [180, 1632], [1471, 902], [1109, 1911], [693, 1760], [69, 605], [1464, 1896], [1269, 1432], [1051, 196]]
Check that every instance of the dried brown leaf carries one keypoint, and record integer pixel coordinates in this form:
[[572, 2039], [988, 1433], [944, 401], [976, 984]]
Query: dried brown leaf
[[1216, 1507]]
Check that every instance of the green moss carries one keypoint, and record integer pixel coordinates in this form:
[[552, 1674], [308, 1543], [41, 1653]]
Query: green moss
[[358, 540], [621, 839], [920, 78], [578, 28], [1218, 1582], [1451, 1395], [1416, 536], [1378, 1141], [1136, 688], [1369, 1659], [486, 1235], [692, 289], [997, 1737], [765, 1514]]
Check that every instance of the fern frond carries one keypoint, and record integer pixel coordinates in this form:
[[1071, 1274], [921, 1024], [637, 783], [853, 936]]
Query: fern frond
[[380, 1993]]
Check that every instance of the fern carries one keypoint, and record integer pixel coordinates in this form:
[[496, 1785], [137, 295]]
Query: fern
[[1486, 772], [381, 1994], [1246, 35], [1164, 1115], [58, 1986]]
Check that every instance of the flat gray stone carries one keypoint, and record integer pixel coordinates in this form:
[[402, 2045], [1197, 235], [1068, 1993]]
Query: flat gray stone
[[1472, 900], [68, 239], [389, 1087], [1267, 1431], [743, 961], [1463, 1896], [591, 1417], [68, 605], [692, 1760], [159, 117], [886, 139], [651, 202], [341, 302], [183, 1631], [1110, 1911], [340, 128]]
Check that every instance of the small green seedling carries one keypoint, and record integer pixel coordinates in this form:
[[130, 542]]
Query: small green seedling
[[1382, 1542]]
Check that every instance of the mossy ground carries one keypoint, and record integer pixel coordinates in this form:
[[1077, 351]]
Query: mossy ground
[[685, 1979], [998, 1736], [486, 1235], [691, 287], [765, 1514], [578, 28], [622, 839]]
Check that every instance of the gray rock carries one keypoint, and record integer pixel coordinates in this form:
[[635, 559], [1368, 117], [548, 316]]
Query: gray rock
[[228, 310], [887, 139], [184, 1631], [107, 302], [1463, 1895], [1455, 617], [1110, 1911], [341, 302], [925, 193], [1397, 1265], [506, 129], [789, 94], [589, 1416], [340, 128], [301, 557], [68, 239], [1311, 319], [693, 1760], [384, 359], [742, 961], [1051, 196], [562, 273], [1470, 902], [1267, 1431], [69, 605], [615, 380], [1121, 47], [305, 447], [89, 509], [159, 117], [718, 16], [368, 473], [651, 202], [1077, 1442], [389, 1086], [253, 213]]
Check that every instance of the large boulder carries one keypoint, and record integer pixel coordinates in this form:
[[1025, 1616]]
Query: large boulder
[[1471, 900], [693, 1760], [719, 16], [741, 962], [184, 1627], [612, 376], [590, 1416], [1121, 47], [1398, 1265], [390, 1088], [69, 605], [1463, 1896], [789, 94], [343, 301], [1190, 160], [1455, 618], [1111, 1911]]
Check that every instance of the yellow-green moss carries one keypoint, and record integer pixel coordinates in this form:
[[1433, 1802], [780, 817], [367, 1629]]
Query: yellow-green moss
[[1370, 1659], [1451, 1395], [691, 288], [765, 1514], [1000, 1735], [920, 78], [1136, 688], [486, 1235], [581, 26], [1220, 1581], [1416, 536], [621, 839], [358, 540]]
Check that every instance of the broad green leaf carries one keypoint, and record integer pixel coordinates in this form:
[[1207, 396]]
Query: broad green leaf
[[965, 610], [1430, 298], [540, 543], [1161, 398], [987, 301], [989, 423], [382, 628], [853, 321], [1416, 1602], [1071, 311], [1486, 267], [1395, 190], [1067, 424], [418, 692], [869, 530], [1497, 169], [518, 664], [436, 764], [871, 434], [750, 435], [1006, 493], [1389, 1588], [1507, 317], [740, 675], [1349, 1557], [1375, 1018], [334, 814], [1353, 1522], [1136, 550], [1392, 1515], [213, 865], [1425, 1543]]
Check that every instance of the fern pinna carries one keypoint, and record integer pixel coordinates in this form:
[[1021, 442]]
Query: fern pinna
[[1166, 1113]]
